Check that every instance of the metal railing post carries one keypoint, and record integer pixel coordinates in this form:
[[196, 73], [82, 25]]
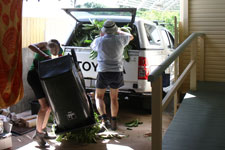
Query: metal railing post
[[156, 82]]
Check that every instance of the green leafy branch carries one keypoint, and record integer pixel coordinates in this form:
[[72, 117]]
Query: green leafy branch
[[85, 34], [133, 123], [87, 135]]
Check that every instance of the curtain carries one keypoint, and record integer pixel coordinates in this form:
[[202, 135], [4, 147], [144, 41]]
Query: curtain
[[11, 84]]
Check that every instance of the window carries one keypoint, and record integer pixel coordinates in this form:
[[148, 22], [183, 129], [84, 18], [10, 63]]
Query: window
[[152, 35], [165, 38], [171, 39]]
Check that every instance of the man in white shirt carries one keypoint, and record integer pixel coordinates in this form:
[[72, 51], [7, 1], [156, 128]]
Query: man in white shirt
[[110, 46]]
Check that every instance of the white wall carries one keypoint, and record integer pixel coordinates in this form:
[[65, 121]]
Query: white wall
[[59, 25], [24, 104]]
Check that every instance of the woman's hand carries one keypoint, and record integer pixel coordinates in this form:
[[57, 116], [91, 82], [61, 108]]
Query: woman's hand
[[47, 57]]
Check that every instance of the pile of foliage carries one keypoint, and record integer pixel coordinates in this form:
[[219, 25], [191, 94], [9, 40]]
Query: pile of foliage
[[90, 135], [86, 135], [86, 33]]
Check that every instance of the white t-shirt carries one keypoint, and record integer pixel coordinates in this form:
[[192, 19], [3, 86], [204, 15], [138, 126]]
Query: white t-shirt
[[110, 49]]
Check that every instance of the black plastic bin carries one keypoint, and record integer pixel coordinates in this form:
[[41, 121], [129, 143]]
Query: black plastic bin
[[63, 86]]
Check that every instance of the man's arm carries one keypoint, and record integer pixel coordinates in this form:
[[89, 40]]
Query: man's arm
[[93, 53], [126, 33]]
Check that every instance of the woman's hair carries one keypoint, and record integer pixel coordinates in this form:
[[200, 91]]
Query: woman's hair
[[52, 42]]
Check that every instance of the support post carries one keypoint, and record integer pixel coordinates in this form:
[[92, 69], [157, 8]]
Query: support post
[[157, 114], [193, 74], [176, 65], [202, 58]]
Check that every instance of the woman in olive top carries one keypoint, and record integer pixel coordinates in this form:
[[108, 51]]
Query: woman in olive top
[[43, 51]]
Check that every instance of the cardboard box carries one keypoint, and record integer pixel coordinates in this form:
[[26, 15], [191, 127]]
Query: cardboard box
[[31, 123], [27, 118]]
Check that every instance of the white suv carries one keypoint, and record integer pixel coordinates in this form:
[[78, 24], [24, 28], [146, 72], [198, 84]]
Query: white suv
[[152, 44]]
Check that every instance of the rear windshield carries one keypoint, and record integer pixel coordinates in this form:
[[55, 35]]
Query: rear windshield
[[81, 15], [86, 32]]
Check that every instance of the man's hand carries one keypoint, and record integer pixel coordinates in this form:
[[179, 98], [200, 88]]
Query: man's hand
[[93, 54], [125, 31]]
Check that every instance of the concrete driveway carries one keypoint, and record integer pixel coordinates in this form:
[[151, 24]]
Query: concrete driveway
[[134, 139]]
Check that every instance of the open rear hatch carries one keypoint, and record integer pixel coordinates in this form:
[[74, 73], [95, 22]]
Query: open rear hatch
[[85, 14], [118, 15]]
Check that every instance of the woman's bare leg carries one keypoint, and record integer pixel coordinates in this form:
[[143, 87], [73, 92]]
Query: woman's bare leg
[[42, 114]]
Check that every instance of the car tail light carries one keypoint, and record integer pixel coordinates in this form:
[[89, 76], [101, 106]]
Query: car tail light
[[143, 68]]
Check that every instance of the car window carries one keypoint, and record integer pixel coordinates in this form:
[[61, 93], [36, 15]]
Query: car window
[[152, 35], [84, 14], [165, 38], [171, 38]]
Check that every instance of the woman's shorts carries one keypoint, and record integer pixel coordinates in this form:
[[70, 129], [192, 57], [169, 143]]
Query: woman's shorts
[[112, 79], [35, 83]]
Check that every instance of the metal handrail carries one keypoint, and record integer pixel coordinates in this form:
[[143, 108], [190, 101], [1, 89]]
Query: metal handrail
[[165, 64], [156, 82]]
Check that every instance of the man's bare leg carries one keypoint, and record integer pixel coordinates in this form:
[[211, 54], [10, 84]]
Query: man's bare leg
[[99, 100], [114, 107], [114, 102]]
